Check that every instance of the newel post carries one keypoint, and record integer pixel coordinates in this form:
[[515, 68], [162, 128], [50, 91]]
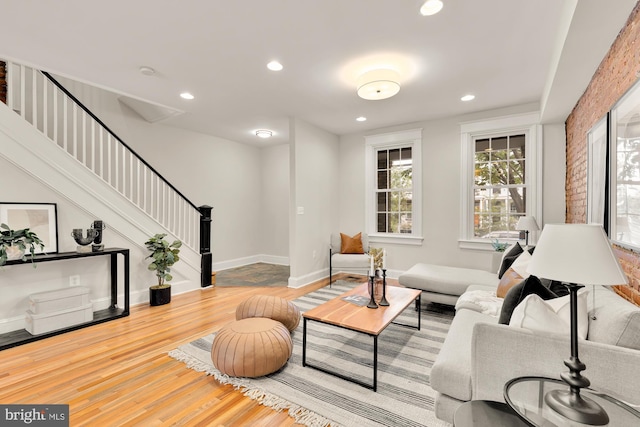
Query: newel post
[[205, 245]]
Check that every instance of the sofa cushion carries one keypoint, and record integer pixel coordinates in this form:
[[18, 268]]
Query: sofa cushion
[[515, 295], [509, 257], [508, 281], [553, 315], [616, 322], [444, 279], [451, 372]]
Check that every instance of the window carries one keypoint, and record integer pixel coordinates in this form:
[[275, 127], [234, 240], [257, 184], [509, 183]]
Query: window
[[393, 182], [499, 188], [499, 178], [624, 171]]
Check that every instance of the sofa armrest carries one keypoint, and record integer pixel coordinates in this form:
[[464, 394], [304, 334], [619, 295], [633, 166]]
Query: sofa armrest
[[500, 353]]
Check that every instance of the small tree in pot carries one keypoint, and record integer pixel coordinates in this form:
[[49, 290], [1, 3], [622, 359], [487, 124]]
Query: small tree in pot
[[163, 255]]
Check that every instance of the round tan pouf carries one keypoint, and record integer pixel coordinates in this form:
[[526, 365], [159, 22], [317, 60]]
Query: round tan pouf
[[275, 308], [251, 347]]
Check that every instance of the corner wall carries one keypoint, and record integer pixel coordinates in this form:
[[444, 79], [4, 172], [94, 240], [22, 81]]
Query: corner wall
[[617, 72]]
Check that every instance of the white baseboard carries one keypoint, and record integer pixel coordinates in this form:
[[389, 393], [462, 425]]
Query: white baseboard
[[307, 279]]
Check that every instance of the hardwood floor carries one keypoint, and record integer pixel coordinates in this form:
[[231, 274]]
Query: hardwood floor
[[119, 374]]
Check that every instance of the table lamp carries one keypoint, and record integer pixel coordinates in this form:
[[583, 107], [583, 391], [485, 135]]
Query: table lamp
[[576, 254], [527, 223]]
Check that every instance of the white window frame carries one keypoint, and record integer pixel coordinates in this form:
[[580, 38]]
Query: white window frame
[[408, 138], [527, 124]]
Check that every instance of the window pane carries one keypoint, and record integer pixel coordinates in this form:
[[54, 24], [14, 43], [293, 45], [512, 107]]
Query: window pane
[[482, 175], [394, 222], [382, 159], [499, 173], [382, 180], [400, 177], [382, 223], [516, 172], [405, 222], [516, 147], [394, 201], [499, 148], [382, 202], [394, 156], [405, 202], [405, 154]]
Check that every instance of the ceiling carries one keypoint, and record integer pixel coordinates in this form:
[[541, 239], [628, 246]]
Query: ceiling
[[505, 52]]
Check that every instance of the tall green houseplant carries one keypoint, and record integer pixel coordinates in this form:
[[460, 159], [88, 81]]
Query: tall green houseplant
[[163, 255]]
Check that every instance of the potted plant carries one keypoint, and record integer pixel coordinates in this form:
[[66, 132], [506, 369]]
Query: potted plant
[[14, 244], [163, 255]]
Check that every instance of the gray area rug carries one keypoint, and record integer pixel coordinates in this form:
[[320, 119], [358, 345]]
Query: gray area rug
[[313, 398]]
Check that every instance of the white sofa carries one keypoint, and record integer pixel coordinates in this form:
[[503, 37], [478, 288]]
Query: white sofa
[[479, 355], [444, 284]]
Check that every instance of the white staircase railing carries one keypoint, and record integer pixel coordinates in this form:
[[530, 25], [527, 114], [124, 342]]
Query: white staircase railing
[[40, 100]]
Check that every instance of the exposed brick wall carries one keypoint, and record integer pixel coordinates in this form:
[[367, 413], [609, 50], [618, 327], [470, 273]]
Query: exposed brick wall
[[616, 74], [3, 82]]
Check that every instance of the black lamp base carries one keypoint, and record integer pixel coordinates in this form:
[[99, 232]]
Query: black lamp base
[[576, 407]]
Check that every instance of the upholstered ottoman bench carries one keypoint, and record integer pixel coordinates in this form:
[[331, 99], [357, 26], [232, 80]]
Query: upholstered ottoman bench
[[443, 284], [275, 308], [251, 347]]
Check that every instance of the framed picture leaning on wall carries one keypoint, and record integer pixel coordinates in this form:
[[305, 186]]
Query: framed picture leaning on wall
[[41, 218]]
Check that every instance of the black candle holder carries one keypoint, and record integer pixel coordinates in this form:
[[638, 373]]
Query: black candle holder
[[383, 302], [372, 301]]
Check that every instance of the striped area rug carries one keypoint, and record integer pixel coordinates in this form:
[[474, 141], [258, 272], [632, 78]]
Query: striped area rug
[[313, 398]]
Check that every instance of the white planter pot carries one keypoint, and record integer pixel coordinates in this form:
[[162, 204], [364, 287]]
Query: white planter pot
[[14, 252]]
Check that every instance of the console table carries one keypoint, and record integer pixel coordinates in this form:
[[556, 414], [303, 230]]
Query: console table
[[21, 336]]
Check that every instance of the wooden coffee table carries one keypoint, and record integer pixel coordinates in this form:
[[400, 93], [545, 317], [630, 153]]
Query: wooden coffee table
[[369, 321]]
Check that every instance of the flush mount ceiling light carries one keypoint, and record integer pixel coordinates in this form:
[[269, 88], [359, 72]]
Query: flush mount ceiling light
[[468, 97], [186, 95], [431, 7], [361, 119], [274, 66], [378, 84], [264, 133]]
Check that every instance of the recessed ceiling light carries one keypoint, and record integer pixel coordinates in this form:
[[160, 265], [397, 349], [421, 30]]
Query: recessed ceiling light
[[468, 97], [186, 95], [274, 66], [431, 7], [264, 133], [361, 119], [147, 71]]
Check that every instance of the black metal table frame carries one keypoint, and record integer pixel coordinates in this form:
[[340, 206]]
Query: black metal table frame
[[374, 385]]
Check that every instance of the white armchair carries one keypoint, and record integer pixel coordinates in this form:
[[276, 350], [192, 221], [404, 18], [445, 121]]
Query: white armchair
[[348, 261]]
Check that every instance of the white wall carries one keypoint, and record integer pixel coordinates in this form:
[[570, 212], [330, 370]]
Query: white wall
[[206, 169], [275, 203], [441, 185], [315, 186]]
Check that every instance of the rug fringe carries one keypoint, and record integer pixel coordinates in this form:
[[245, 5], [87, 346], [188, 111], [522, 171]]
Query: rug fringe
[[298, 413]]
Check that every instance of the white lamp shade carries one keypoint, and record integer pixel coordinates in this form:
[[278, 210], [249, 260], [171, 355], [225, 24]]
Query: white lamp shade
[[576, 253], [527, 223], [378, 84]]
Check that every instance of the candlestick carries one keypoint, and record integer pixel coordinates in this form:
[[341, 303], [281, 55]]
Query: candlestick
[[384, 259], [372, 301], [383, 302]]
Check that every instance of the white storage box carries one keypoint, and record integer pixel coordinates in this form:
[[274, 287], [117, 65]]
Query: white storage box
[[42, 323], [58, 299]]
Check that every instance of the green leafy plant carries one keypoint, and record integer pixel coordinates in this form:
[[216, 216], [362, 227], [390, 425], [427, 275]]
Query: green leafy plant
[[163, 255], [24, 239], [499, 247]]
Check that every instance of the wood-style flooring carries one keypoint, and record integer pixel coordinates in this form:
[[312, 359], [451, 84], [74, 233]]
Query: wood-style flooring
[[119, 374]]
